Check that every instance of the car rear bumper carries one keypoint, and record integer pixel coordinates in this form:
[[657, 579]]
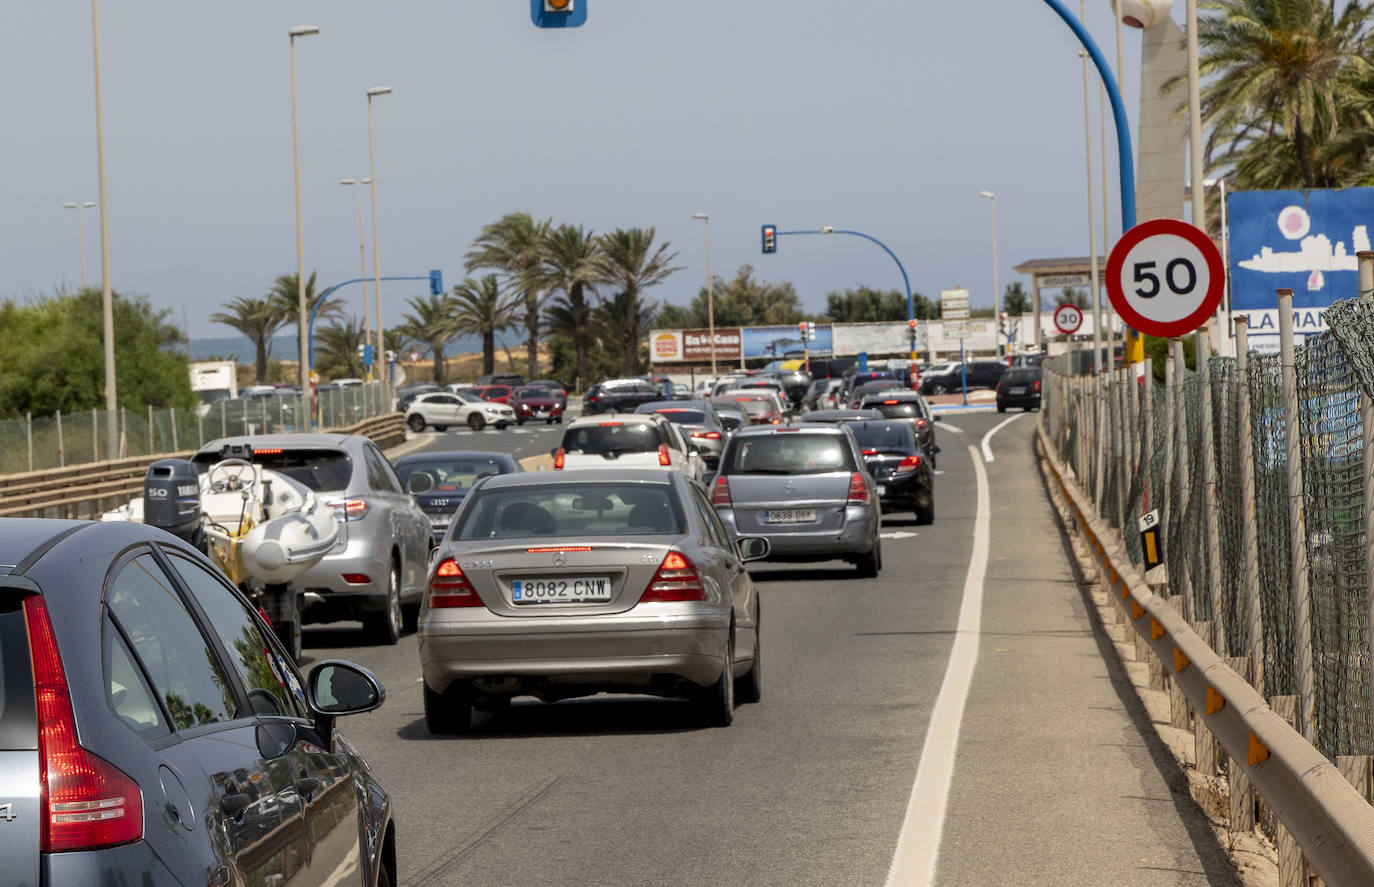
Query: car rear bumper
[[330, 596], [855, 536], [615, 650], [1018, 400]]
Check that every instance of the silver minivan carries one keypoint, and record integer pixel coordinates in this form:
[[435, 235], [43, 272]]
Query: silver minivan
[[803, 488]]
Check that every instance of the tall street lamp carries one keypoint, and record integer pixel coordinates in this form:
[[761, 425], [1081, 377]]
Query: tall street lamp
[[996, 293], [376, 246], [81, 232], [106, 293], [362, 259], [710, 294], [303, 310]]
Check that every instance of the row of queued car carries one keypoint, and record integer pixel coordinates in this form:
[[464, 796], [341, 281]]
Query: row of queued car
[[499, 401]]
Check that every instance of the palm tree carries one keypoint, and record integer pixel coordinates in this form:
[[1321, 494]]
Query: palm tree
[[623, 322], [570, 268], [286, 301], [481, 309], [337, 355], [433, 324], [1278, 77], [630, 263], [513, 247], [257, 319]]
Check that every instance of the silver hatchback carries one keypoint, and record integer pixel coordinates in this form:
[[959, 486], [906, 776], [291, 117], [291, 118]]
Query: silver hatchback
[[602, 580], [805, 489]]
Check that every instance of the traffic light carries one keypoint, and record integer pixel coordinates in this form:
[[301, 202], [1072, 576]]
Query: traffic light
[[912, 323], [558, 13], [436, 283], [805, 329], [770, 238]]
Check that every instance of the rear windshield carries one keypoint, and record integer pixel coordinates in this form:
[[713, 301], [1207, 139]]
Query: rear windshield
[[320, 470], [883, 437], [755, 407], [18, 724], [576, 510], [1021, 375], [788, 453], [684, 417], [538, 393], [451, 474], [905, 410], [612, 437]]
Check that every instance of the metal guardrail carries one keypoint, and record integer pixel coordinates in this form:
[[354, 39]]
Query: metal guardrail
[[86, 491], [1325, 814]]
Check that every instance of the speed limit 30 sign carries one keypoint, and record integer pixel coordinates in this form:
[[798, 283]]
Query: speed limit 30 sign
[[1068, 318], [1165, 277]]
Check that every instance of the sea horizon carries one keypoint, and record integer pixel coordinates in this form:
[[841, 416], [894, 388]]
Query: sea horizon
[[283, 347]]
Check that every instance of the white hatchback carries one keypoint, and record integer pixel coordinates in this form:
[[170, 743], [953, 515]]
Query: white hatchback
[[640, 440], [442, 409]]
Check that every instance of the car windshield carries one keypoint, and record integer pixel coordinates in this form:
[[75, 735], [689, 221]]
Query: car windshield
[[612, 437], [788, 453], [468, 397], [320, 470], [537, 393], [684, 416], [581, 510], [450, 475], [882, 437]]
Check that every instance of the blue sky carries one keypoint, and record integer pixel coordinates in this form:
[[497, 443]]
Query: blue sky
[[884, 117]]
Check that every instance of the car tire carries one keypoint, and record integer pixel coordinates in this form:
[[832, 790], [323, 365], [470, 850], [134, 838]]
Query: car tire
[[384, 876], [385, 627], [870, 562], [1001, 407], [518, 422], [441, 428], [549, 422], [501, 426], [926, 515], [416, 422], [476, 422], [448, 713], [749, 686], [717, 702], [938, 388]]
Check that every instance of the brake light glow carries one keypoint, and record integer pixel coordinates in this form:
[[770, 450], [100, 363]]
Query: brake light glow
[[910, 463], [920, 423], [777, 421], [1037, 384], [350, 509], [450, 588], [677, 579], [888, 403], [267, 451], [709, 435], [870, 452], [720, 492], [663, 457], [858, 490], [559, 456], [85, 802], [610, 424], [549, 549], [356, 578]]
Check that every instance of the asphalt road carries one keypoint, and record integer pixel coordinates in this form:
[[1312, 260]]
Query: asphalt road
[[1053, 781]]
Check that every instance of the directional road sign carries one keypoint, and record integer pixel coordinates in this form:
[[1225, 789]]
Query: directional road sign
[[1068, 318], [1165, 277]]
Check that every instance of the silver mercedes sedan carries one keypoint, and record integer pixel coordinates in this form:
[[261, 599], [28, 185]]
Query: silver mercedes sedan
[[603, 580]]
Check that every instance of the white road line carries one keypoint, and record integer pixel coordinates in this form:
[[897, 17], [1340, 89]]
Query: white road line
[[918, 844], [945, 426], [987, 438]]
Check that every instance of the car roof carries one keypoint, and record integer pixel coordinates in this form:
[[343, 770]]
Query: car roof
[[449, 456], [619, 418], [298, 441], [21, 537], [899, 394], [581, 476], [829, 415], [762, 430], [655, 406]]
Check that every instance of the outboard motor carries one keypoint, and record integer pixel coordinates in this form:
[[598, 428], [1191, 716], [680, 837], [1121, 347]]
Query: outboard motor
[[171, 499]]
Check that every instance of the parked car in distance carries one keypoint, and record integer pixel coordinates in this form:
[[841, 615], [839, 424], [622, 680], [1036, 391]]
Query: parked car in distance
[[911, 407], [635, 440], [1019, 387], [377, 566], [494, 393], [905, 476], [546, 383], [619, 396], [534, 403], [606, 580], [510, 380], [805, 489], [408, 393], [440, 479], [443, 409], [696, 419], [979, 374], [200, 749]]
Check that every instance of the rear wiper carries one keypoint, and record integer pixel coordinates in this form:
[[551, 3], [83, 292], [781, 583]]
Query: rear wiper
[[766, 471]]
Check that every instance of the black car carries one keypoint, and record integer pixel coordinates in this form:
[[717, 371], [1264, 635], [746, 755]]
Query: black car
[[1019, 387], [179, 743], [439, 481], [620, 396], [911, 407], [979, 373], [795, 384], [906, 479]]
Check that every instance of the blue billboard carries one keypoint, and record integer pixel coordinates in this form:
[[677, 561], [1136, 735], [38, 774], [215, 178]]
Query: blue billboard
[[1300, 240], [779, 342]]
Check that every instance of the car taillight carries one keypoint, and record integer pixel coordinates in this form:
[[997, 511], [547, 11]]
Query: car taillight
[[350, 509], [909, 463], [870, 452], [720, 492], [663, 457], [558, 457], [450, 588], [776, 421], [676, 580], [86, 802], [709, 435], [1037, 384], [356, 578], [858, 490], [920, 423]]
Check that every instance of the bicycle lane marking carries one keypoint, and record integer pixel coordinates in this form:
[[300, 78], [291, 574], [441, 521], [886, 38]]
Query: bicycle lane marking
[[918, 843], [987, 438]]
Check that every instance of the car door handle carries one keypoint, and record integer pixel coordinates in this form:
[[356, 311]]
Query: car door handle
[[234, 803], [308, 785]]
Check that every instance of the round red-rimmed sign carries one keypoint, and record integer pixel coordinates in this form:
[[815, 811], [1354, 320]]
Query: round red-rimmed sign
[[1068, 317], [1165, 277]]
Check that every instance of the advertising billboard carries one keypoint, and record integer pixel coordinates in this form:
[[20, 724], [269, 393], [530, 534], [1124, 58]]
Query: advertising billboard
[[876, 338], [693, 346], [1300, 240], [778, 342]]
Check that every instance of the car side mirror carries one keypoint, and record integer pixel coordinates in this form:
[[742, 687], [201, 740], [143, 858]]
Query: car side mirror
[[420, 482], [336, 687], [935, 417], [753, 548]]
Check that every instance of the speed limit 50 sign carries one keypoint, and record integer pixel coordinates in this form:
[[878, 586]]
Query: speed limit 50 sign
[[1165, 277]]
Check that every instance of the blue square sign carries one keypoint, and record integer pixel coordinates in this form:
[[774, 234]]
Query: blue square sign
[[558, 13]]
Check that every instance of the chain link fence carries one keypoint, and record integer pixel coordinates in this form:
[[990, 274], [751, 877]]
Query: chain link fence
[[37, 443], [1136, 447]]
